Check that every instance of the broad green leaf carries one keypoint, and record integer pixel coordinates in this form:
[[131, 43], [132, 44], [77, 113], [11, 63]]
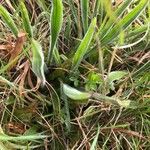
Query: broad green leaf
[[84, 14], [84, 45], [75, 94], [56, 24], [124, 23], [113, 76], [8, 20], [38, 60], [93, 81], [116, 75], [25, 19]]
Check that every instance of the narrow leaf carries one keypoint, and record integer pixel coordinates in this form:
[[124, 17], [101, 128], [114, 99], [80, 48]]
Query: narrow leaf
[[38, 60], [105, 29], [124, 23], [138, 31], [66, 106], [96, 8], [93, 146], [73, 11], [75, 94], [143, 68], [42, 4], [84, 14], [56, 24], [56, 56], [8, 20], [22, 138], [84, 45], [6, 82], [26, 20]]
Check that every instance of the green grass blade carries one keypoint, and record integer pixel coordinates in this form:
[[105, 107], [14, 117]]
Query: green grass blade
[[137, 31], [105, 29], [76, 17], [84, 45], [93, 146], [143, 68], [42, 4], [56, 24], [26, 20], [96, 8], [67, 32], [73, 11], [56, 56], [8, 20], [38, 60], [124, 23], [5, 81], [66, 106], [84, 14]]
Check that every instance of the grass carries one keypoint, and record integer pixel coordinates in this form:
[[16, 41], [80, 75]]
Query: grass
[[74, 75]]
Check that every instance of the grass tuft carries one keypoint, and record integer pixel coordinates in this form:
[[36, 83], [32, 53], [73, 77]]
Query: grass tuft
[[74, 74]]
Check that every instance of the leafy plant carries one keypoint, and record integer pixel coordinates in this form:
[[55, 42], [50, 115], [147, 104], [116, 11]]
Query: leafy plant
[[84, 45], [26, 20], [38, 60], [95, 76], [8, 20], [56, 24], [84, 14], [114, 76], [75, 94]]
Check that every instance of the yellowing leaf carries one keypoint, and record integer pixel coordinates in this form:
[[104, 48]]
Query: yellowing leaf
[[17, 49]]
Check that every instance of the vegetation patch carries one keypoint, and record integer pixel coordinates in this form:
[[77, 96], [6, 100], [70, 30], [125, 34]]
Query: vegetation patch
[[74, 74]]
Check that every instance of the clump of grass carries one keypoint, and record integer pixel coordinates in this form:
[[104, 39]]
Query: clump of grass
[[93, 63]]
